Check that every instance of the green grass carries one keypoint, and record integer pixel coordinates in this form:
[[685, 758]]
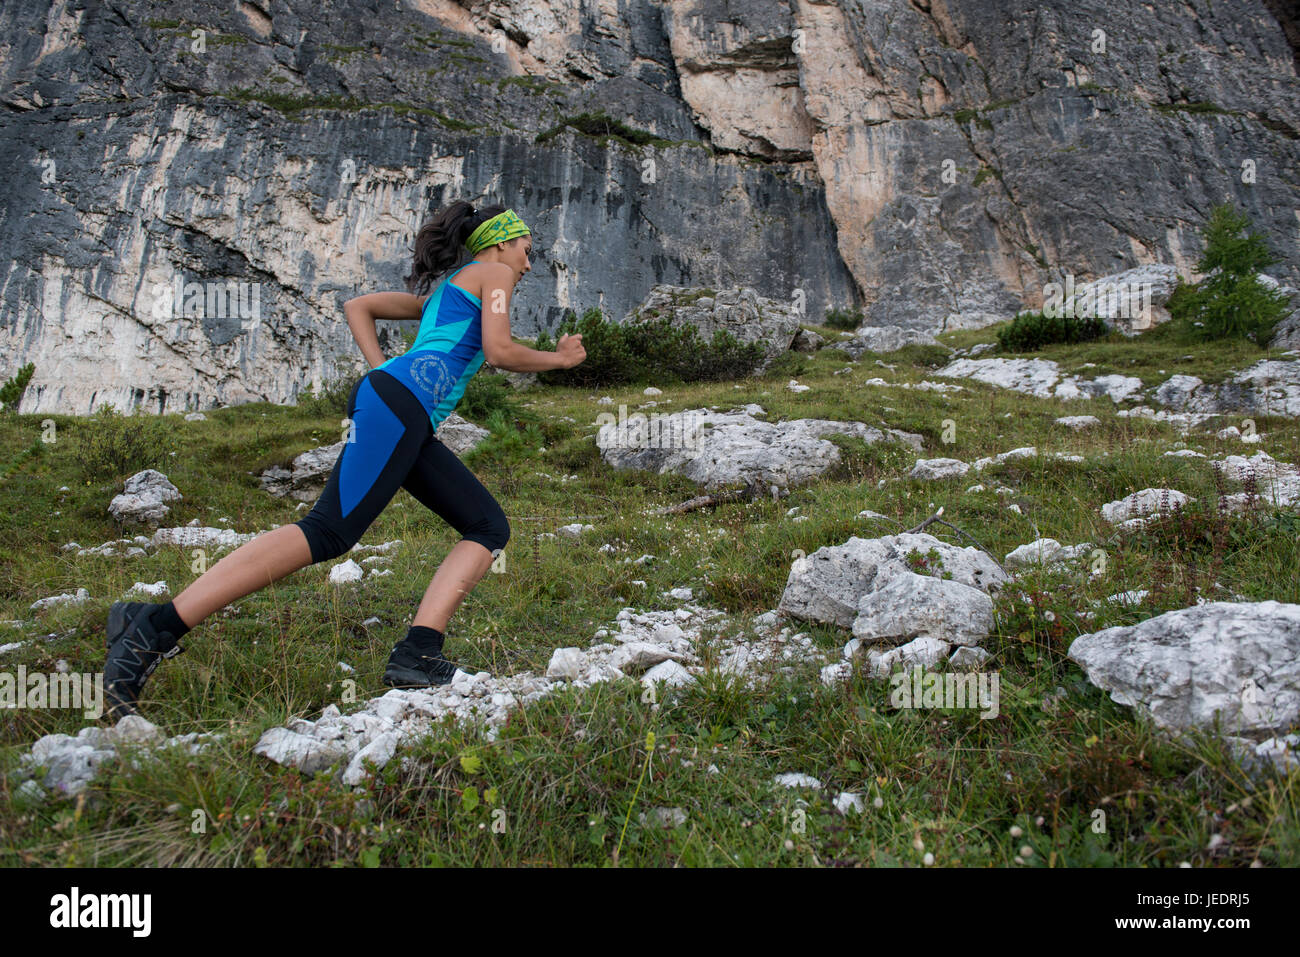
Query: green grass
[[964, 116], [568, 771], [1201, 106], [604, 128], [291, 105], [531, 85]]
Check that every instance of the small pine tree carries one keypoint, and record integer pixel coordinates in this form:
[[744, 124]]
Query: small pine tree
[[1231, 302], [12, 391]]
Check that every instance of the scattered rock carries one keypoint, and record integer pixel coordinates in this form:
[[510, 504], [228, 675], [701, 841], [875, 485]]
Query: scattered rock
[[903, 605], [1277, 483], [1031, 376], [70, 763], [343, 572], [567, 663], [1042, 378], [307, 754], [882, 339], [142, 589], [64, 599], [1269, 387], [793, 779], [930, 469], [460, 435], [1025, 452], [1041, 551], [1143, 503], [190, 536], [144, 499], [1077, 422], [1185, 420], [741, 311], [305, 479], [719, 449], [670, 672], [805, 340], [1239, 661], [663, 817], [968, 658], [1130, 302], [847, 801], [927, 651], [869, 586]]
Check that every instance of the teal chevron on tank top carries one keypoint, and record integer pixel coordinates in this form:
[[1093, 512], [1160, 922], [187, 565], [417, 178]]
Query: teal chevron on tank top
[[447, 351]]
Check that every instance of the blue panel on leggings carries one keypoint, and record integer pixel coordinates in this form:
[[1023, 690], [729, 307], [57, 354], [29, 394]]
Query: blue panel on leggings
[[373, 441]]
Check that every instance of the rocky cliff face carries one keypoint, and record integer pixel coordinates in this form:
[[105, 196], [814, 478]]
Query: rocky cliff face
[[934, 162]]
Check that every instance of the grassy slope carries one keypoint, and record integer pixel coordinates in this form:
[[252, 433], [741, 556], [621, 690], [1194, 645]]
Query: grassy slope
[[571, 769]]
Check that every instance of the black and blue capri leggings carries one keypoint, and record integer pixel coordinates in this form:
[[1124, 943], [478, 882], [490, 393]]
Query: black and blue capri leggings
[[394, 446]]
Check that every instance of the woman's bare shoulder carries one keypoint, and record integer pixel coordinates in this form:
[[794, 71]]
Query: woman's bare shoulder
[[472, 276]]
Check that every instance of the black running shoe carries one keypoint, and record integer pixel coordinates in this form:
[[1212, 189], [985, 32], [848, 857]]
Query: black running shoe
[[120, 615], [408, 668], [135, 649]]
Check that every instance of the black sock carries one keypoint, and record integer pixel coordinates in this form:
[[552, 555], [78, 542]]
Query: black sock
[[164, 618], [427, 641]]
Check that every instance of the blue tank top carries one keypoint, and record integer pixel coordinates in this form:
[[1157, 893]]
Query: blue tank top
[[447, 351]]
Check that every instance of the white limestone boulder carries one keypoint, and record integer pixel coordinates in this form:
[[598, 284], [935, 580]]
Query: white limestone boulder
[[1141, 504], [871, 587], [1239, 661], [716, 449], [144, 499]]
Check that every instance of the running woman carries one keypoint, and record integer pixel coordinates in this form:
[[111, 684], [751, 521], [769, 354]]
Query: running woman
[[394, 410]]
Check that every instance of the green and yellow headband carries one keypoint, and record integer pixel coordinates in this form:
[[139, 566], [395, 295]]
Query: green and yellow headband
[[499, 228]]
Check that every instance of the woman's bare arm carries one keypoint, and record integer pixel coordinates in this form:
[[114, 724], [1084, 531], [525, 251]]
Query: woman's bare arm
[[362, 312], [499, 348]]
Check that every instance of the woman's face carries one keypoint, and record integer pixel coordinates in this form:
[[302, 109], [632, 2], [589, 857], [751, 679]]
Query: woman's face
[[519, 254]]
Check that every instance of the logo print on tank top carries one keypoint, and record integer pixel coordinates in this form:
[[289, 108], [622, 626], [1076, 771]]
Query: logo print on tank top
[[431, 373]]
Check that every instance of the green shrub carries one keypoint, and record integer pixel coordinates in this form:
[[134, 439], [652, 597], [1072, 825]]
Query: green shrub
[[12, 391], [485, 394], [111, 445], [1230, 302], [1033, 330], [647, 350], [332, 397], [843, 318]]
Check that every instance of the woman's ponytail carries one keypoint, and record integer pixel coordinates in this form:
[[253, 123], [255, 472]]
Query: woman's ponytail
[[440, 243]]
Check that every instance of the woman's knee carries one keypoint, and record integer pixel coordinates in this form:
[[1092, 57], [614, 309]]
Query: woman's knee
[[492, 533], [326, 541]]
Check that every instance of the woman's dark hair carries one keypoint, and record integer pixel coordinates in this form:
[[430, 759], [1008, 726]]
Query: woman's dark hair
[[440, 243]]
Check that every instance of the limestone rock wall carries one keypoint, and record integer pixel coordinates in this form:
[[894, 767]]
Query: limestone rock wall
[[935, 161]]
